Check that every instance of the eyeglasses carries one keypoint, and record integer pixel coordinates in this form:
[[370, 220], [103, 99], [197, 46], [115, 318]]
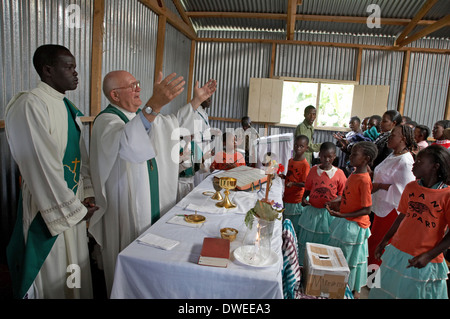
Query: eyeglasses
[[134, 86]]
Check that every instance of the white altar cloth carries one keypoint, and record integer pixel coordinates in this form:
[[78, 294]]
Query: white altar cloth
[[281, 145], [143, 271]]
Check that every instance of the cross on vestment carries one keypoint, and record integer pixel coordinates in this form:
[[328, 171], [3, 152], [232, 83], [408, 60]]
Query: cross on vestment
[[76, 161]]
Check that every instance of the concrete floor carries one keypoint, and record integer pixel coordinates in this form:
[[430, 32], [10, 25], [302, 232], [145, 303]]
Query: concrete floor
[[364, 293]]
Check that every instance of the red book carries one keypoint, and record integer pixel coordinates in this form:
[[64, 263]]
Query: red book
[[215, 252]]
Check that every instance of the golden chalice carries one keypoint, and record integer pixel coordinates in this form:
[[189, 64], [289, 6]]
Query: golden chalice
[[217, 195], [227, 183]]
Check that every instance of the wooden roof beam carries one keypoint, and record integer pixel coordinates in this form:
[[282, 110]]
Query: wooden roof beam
[[244, 15], [160, 9], [304, 17], [329, 44], [361, 20], [290, 19], [425, 8], [445, 21], [183, 14]]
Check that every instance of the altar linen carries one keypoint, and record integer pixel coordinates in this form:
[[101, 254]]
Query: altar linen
[[158, 241]]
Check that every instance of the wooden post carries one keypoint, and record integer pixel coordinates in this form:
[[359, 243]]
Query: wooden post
[[159, 59], [404, 82], [358, 65], [272, 60], [97, 57], [191, 71], [447, 106]]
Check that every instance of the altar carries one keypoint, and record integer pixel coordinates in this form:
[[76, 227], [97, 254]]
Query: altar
[[143, 271]]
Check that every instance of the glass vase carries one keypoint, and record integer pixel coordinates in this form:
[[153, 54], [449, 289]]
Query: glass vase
[[256, 248]]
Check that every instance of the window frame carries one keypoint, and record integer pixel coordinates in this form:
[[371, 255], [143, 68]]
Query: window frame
[[319, 82]]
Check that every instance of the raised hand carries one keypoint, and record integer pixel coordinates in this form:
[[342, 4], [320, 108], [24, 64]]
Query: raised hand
[[165, 90], [203, 93]]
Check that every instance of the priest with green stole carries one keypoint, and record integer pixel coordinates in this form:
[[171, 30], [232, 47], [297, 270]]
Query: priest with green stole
[[48, 255], [134, 158]]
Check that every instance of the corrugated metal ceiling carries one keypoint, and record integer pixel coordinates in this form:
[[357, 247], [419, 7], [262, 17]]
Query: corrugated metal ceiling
[[389, 9]]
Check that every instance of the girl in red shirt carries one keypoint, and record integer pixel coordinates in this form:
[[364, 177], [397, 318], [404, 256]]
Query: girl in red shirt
[[413, 264], [438, 133], [294, 184], [324, 183], [350, 230], [228, 158]]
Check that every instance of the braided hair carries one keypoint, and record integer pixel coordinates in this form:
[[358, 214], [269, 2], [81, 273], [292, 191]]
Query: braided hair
[[408, 133], [424, 130], [440, 155], [368, 149]]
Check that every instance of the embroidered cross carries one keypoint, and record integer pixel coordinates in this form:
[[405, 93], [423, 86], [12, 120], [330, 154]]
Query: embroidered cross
[[76, 161]]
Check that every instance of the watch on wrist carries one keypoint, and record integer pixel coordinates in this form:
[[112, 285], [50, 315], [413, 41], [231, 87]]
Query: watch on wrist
[[149, 110]]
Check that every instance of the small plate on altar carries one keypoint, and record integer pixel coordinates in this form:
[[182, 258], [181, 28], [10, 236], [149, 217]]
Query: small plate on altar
[[208, 193], [195, 218], [240, 254]]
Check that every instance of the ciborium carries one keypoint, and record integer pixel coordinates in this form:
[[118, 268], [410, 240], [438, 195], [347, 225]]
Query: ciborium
[[227, 183]]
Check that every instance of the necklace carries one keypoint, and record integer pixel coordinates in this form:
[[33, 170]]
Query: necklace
[[403, 151]]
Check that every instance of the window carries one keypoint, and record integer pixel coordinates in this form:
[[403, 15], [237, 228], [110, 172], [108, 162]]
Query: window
[[335, 105], [333, 102], [283, 100], [297, 96]]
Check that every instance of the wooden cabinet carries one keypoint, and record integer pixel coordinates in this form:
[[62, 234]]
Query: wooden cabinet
[[370, 100], [264, 100]]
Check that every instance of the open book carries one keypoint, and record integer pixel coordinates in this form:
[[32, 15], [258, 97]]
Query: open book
[[246, 177]]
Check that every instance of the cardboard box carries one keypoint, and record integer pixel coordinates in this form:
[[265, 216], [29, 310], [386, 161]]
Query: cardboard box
[[326, 271]]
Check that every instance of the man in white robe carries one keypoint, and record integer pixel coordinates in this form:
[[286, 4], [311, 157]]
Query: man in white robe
[[205, 138], [247, 136], [134, 157], [39, 127]]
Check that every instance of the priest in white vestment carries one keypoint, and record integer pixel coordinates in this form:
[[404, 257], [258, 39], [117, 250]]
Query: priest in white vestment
[[41, 128], [205, 137], [127, 148]]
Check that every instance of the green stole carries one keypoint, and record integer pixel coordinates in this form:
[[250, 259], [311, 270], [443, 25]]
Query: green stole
[[25, 259], [152, 168]]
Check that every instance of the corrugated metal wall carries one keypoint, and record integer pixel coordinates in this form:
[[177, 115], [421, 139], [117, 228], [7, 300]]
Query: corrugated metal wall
[[318, 62], [427, 87], [383, 68], [129, 42], [28, 24], [232, 65], [177, 54]]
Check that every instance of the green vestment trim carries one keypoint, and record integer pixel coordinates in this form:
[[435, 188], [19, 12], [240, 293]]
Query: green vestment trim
[[152, 168]]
